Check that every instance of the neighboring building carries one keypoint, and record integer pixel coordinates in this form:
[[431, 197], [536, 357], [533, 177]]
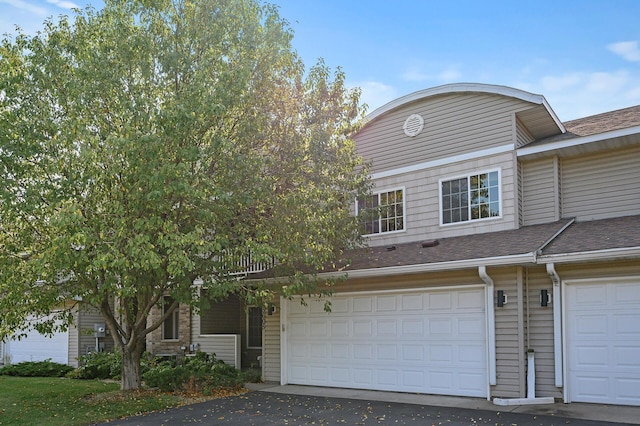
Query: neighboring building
[[498, 230], [87, 335]]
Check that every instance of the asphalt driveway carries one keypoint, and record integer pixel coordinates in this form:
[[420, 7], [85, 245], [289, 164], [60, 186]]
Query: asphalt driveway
[[265, 408]]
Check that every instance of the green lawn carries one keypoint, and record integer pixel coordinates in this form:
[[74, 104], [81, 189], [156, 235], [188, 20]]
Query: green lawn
[[61, 401]]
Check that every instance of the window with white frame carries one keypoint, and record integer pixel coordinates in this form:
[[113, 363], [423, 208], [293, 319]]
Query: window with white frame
[[254, 327], [471, 197], [382, 212], [170, 326]]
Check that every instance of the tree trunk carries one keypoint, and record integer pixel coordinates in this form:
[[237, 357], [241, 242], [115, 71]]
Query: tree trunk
[[131, 367]]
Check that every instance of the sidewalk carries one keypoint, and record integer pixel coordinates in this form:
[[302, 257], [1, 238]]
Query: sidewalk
[[597, 412]]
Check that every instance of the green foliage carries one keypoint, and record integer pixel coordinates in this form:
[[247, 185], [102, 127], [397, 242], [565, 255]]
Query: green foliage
[[202, 372], [98, 365], [144, 145], [36, 369]]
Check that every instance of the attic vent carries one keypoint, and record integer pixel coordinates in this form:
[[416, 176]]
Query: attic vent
[[413, 125]]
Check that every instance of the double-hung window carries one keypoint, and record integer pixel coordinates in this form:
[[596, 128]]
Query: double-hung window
[[382, 212], [472, 197], [170, 326]]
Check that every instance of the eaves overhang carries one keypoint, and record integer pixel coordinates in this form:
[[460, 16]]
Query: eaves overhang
[[623, 253], [467, 88], [519, 259], [582, 144]]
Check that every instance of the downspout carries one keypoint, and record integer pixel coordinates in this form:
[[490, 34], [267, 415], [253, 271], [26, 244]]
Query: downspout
[[557, 322], [491, 326]]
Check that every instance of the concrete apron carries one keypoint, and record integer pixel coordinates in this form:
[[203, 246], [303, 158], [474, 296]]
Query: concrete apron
[[574, 410]]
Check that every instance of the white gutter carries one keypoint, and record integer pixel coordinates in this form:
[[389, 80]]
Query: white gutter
[[568, 143], [607, 254], [557, 324], [491, 327], [431, 267]]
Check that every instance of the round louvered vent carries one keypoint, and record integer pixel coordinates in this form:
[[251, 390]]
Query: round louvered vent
[[413, 125]]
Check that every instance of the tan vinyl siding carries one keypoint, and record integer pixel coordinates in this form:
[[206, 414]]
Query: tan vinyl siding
[[271, 346], [454, 124], [422, 200], [74, 341], [601, 186], [539, 329], [539, 192], [523, 136], [509, 353]]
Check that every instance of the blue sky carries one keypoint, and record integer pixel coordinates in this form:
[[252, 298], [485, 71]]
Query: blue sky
[[583, 56]]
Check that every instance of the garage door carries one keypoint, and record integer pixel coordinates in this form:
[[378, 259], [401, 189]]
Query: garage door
[[36, 347], [419, 341], [603, 341]]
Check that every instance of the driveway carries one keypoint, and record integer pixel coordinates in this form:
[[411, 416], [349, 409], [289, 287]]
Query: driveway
[[267, 408]]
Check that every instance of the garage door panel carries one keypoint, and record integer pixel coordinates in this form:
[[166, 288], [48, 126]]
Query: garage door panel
[[603, 341], [393, 342]]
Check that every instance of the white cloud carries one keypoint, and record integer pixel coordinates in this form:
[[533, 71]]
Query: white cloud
[[629, 50], [450, 75], [26, 6], [64, 4], [375, 94], [447, 75], [415, 75]]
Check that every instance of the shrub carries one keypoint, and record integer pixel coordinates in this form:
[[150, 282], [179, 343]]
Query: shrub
[[45, 368], [98, 365], [203, 373]]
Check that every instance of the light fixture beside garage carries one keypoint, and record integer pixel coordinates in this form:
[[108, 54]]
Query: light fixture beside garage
[[545, 298], [501, 298], [413, 125]]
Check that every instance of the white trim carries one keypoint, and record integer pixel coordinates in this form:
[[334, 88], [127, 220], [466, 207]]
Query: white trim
[[467, 176], [444, 161], [516, 259], [466, 88], [606, 254], [284, 311], [537, 149], [491, 328], [557, 323]]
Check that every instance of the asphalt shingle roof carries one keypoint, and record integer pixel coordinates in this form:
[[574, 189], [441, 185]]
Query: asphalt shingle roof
[[525, 240], [621, 232]]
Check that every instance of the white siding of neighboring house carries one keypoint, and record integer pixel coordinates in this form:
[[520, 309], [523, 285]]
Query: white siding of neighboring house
[[602, 185], [454, 124], [422, 200], [540, 199]]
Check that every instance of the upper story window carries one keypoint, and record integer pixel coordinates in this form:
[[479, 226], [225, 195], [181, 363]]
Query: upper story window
[[170, 326], [382, 212], [471, 197]]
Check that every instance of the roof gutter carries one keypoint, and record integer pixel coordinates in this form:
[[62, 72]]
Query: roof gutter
[[585, 256], [517, 259]]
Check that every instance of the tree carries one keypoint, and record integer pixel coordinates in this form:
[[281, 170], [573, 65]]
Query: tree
[[145, 145]]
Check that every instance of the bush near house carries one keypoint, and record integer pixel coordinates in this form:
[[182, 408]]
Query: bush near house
[[45, 368], [200, 373]]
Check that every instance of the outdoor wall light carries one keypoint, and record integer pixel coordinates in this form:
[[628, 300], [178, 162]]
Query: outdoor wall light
[[501, 299], [271, 309], [545, 298]]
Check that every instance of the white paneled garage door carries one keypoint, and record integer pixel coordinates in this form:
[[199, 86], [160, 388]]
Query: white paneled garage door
[[416, 341], [603, 341], [36, 347]]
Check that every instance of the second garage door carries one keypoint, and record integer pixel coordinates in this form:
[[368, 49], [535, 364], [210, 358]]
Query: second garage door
[[428, 341], [603, 341]]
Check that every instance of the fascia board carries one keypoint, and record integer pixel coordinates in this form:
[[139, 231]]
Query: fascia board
[[531, 150], [595, 255]]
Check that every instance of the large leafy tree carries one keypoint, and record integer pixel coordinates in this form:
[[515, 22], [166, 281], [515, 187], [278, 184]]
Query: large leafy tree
[[145, 146]]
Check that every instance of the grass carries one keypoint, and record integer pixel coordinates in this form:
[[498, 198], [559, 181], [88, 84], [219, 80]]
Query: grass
[[62, 401]]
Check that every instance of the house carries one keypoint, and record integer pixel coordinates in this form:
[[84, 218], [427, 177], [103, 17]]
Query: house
[[88, 334], [497, 231]]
